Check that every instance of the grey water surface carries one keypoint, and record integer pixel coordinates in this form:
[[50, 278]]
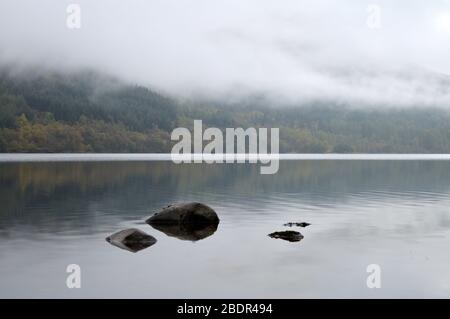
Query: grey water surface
[[395, 214]]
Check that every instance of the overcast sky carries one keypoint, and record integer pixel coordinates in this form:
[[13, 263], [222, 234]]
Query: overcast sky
[[295, 50]]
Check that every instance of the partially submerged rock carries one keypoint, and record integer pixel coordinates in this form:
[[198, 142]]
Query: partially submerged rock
[[192, 232], [302, 224], [289, 235], [183, 214], [131, 239]]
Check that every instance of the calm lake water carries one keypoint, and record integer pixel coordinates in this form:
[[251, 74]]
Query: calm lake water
[[392, 213]]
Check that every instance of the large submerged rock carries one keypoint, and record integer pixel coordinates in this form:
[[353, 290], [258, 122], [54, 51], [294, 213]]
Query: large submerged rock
[[187, 221], [289, 235], [131, 239], [192, 214]]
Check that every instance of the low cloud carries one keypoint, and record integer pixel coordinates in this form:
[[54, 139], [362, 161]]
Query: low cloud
[[295, 51]]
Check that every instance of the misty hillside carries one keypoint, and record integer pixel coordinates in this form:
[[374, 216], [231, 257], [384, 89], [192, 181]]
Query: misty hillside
[[87, 111]]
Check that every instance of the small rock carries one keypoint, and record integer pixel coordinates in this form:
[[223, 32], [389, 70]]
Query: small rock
[[131, 239], [289, 235], [297, 224], [187, 213]]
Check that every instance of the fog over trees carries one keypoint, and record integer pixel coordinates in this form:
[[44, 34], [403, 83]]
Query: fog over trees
[[92, 112]]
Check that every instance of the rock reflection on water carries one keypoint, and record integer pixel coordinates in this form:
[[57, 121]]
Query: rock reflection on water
[[191, 232]]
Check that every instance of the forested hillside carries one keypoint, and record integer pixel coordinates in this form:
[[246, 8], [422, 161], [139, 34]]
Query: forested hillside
[[91, 112]]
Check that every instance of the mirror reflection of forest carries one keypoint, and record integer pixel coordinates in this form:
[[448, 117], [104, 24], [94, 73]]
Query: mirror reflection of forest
[[28, 190]]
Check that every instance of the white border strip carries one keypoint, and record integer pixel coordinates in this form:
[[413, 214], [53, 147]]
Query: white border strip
[[93, 157]]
